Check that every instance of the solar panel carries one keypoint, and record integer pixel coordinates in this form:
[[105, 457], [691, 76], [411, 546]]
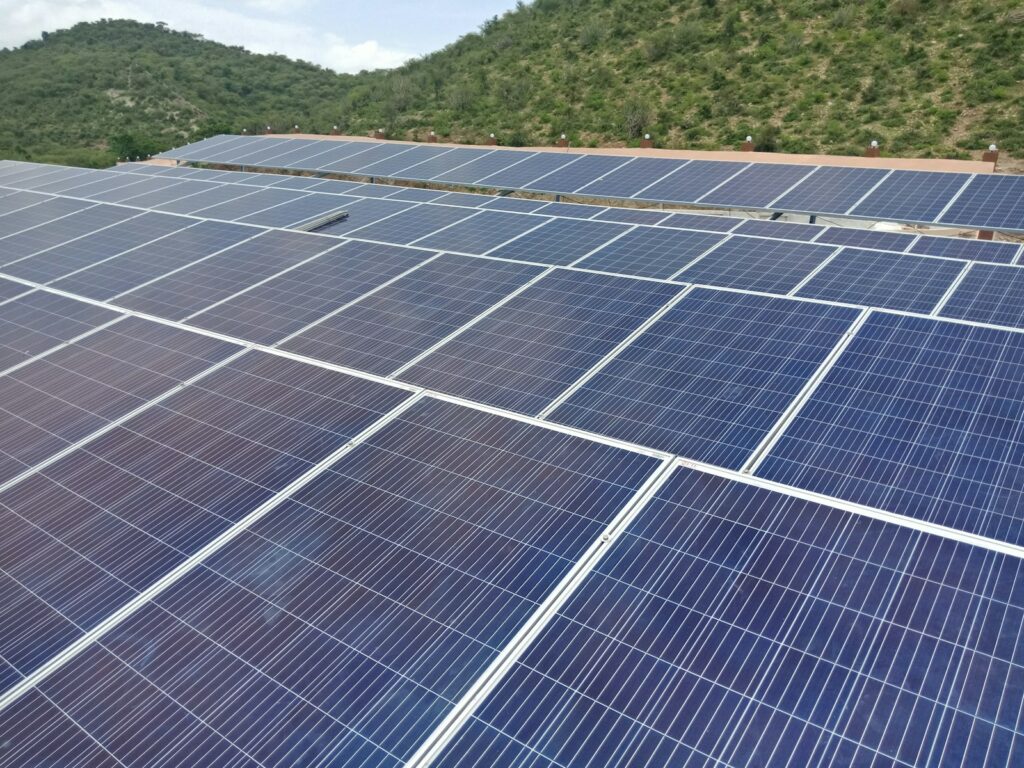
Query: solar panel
[[989, 294], [780, 229], [159, 257], [96, 247], [918, 417], [16, 201], [757, 186], [754, 264], [392, 165], [40, 321], [712, 377], [93, 529], [385, 330], [417, 195], [58, 399], [92, 181], [528, 351], [571, 210], [630, 178], [296, 621], [197, 286], [733, 625], [482, 166], [374, 190], [560, 242], [61, 230], [572, 176], [989, 202], [296, 182], [632, 216], [961, 248], [911, 196], [345, 153], [215, 195], [879, 279], [310, 208], [481, 233], [144, 187], [184, 189], [336, 187], [866, 238], [652, 252], [830, 190], [412, 224], [697, 221], [363, 212], [428, 169], [41, 213], [514, 204], [519, 175], [270, 311], [465, 199], [9, 289], [246, 205], [691, 182]]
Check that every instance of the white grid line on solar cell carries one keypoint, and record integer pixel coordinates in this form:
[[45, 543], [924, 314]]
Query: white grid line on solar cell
[[952, 289], [675, 275], [513, 239], [186, 566], [810, 275], [613, 353], [446, 730], [954, 198], [776, 432], [793, 186], [870, 191], [72, 240], [592, 251], [441, 229]]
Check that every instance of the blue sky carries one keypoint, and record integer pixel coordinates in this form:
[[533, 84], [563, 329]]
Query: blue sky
[[345, 35]]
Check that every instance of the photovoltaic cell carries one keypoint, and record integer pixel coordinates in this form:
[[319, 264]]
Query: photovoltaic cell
[[692, 181], [9, 289], [429, 169], [527, 352], [830, 190], [296, 182], [465, 199], [519, 175], [879, 279], [199, 285], [130, 270], [392, 165], [710, 379], [911, 196], [783, 230], [412, 224], [246, 205], [866, 238], [575, 175], [180, 191], [91, 249], [962, 248], [734, 625], [989, 294], [85, 534], [374, 190], [46, 211], [144, 187], [481, 233], [337, 187], [483, 166], [18, 246], [363, 212], [989, 201], [560, 241], [757, 186], [382, 332], [652, 252], [920, 417], [63, 397], [17, 200], [698, 221], [756, 264], [215, 195], [417, 195], [289, 302], [340, 628], [632, 216], [514, 204], [630, 178], [312, 206], [40, 321], [572, 210]]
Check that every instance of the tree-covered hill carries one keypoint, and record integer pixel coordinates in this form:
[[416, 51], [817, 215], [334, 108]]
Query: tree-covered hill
[[925, 77]]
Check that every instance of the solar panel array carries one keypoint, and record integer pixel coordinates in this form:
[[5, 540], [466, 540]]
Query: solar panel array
[[470, 482], [959, 199]]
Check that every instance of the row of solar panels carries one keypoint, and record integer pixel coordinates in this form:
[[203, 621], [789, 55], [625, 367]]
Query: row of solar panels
[[703, 373], [48, 241], [979, 201], [307, 566], [202, 192]]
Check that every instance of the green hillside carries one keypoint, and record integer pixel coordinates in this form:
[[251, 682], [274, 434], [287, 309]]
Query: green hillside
[[925, 77]]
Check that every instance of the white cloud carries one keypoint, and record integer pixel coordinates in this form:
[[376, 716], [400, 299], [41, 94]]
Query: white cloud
[[246, 24]]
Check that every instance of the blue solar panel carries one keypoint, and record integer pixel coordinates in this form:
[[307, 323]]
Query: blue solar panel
[[989, 202], [783, 230], [962, 248], [575, 175], [866, 238], [830, 190], [692, 181], [632, 216], [158, 198], [484, 165], [336, 187], [260, 200], [652, 252], [47, 235], [561, 241], [340, 628], [364, 212], [630, 178], [757, 186], [390, 166], [306, 209], [347, 160], [698, 221], [295, 182], [289, 302], [426, 170], [989, 294], [756, 264], [879, 279], [132, 269], [16, 201], [199, 285], [9, 289], [514, 204], [482, 233], [710, 379], [519, 175], [465, 199], [920, 417], [386, 330], [911, 196], [213, 195], [733, 625], [144, 187], [412, 224], [527, 352], [99, 246], [33, 216], [344, 151], [89, 185], [572, 210], [65, 396], [87, 533], [374, 190], [416, 195]]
